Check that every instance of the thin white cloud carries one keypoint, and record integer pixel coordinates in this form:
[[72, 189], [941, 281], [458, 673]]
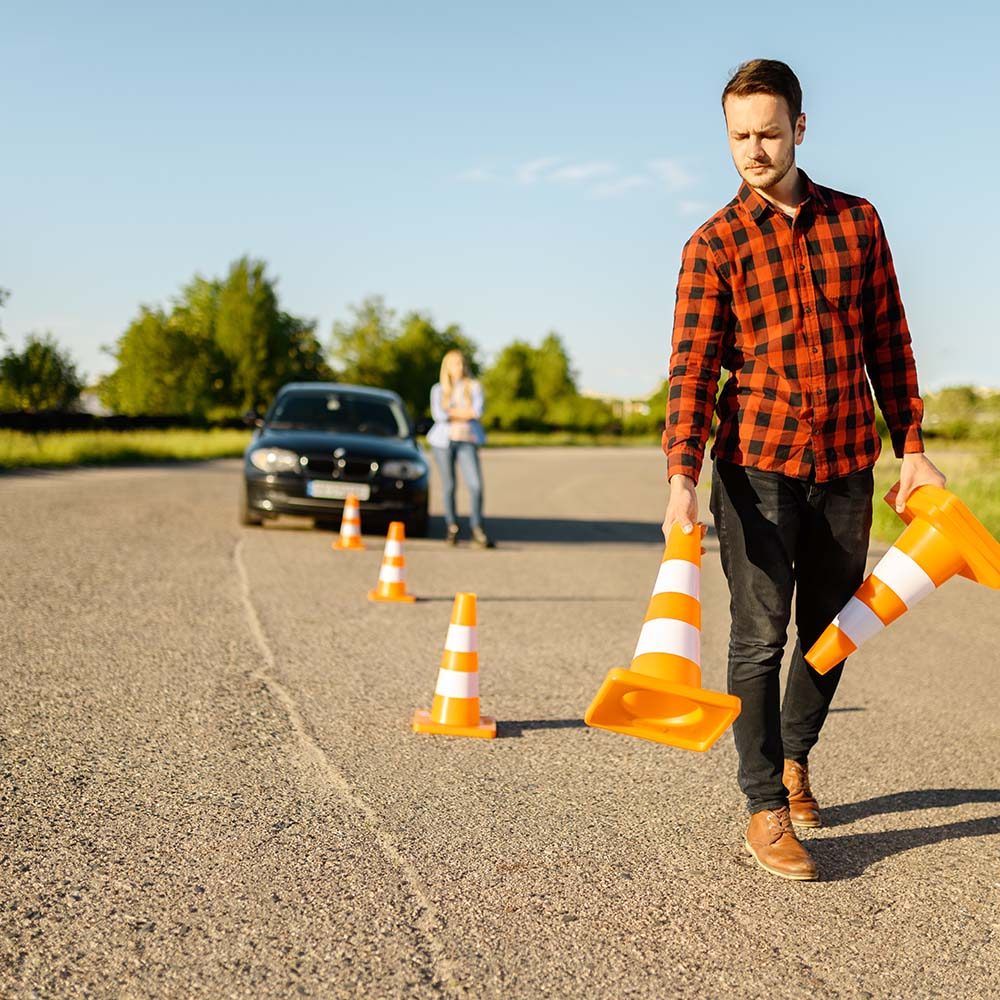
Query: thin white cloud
[[687, 207], [575, 172], [530, 172], [476, 174], [672, 174], [619, 186]]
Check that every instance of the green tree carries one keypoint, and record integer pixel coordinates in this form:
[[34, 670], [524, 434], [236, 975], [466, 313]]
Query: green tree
[[164, 369], [224, 347], [42, 376], [509, 384], [373, 349], [264, 346]]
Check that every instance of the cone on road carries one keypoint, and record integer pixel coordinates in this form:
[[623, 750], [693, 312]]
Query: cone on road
[[350, 526], [391, 585], [455, 709], [942, 538], [660, 697]]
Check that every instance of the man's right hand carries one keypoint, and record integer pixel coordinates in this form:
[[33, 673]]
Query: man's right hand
[[682, 505]]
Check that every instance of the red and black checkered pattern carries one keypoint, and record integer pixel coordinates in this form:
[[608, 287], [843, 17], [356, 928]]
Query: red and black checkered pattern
[[802, 313]]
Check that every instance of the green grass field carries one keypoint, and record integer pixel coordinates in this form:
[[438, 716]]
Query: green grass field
[[20, 450]]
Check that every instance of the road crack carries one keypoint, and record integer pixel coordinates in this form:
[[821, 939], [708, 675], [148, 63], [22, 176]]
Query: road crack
[[429, 921]]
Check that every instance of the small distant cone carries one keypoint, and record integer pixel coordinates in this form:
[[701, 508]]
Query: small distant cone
[[661, 698], [392, 574], [455, 710], [350, 526], [942, 538]]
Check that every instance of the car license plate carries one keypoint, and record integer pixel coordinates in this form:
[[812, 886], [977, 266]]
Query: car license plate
[[337, 491]]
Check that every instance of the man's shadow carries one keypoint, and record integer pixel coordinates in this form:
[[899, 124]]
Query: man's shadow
[[848, 857]]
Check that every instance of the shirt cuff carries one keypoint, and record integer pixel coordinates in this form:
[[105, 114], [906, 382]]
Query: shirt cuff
[[685, 462], [907, 440]]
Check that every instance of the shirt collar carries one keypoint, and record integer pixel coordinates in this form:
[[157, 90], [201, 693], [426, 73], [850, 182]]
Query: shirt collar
[[757, 205]]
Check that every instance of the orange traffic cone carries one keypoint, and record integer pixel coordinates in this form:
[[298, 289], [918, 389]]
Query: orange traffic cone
[[392, 574], [350, 526], [455, 710], [661, 698], [942, 538]]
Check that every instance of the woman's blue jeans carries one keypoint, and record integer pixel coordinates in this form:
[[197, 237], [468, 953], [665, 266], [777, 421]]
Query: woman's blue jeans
[[466, 455]]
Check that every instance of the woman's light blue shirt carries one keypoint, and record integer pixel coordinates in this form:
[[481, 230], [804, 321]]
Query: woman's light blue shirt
[[439, 436]]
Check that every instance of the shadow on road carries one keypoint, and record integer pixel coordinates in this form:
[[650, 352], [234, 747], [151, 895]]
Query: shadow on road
[[848, 857], [560, 530], [921, 798], [507, 729]]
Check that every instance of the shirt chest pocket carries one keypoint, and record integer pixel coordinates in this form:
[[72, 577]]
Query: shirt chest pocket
[[841, 277]]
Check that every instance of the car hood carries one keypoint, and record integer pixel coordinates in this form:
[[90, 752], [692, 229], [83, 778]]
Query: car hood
[[354, 444]]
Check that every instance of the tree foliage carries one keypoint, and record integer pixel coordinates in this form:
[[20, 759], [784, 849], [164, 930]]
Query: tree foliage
[[42, 376], [405, 356], [224, 347]]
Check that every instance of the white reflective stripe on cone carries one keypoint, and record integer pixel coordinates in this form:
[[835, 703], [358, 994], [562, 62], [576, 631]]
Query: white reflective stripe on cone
[[858, 622], [462, 639], [392, 574], [349, 527], [669, 635], [678, 576], [457, 683], [904, 575], [393, 548]]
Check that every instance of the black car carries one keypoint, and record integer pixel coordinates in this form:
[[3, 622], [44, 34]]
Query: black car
[[320, 442]]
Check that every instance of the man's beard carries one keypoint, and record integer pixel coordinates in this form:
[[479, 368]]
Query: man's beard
[[772, 174]]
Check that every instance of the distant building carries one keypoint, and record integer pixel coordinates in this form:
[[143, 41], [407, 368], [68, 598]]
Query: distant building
[[621, 406]]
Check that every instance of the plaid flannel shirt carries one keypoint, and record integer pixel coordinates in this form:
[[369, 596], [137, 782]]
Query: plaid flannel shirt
[[802, 312]]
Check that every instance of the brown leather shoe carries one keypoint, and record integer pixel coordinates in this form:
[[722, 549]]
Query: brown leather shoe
[[802, 804], [772, 841]]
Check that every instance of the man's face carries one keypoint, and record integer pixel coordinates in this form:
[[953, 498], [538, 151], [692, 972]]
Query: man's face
[[762, 137]]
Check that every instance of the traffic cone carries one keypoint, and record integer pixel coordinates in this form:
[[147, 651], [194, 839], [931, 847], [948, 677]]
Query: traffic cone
[[392, 574], [455, 709], [660, 697], [942, 538], [350, 526]]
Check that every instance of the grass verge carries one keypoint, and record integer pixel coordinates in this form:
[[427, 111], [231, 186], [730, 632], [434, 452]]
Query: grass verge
[[57, 449], [973, 476]]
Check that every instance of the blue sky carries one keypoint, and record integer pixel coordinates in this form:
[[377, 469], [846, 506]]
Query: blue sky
[[514, 168]]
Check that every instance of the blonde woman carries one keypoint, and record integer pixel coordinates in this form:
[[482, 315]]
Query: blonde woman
[[457, 436]]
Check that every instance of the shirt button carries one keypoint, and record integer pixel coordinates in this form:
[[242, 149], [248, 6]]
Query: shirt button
[[815, 350], [802, 267], [807, 310]]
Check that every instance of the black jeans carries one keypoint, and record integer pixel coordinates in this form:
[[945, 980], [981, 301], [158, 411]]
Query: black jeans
[[778, 535]]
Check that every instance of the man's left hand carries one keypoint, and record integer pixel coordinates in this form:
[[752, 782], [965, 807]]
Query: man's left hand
[[917, 470]]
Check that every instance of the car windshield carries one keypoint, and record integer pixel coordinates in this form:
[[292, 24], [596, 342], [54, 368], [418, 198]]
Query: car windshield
[[341, 412]]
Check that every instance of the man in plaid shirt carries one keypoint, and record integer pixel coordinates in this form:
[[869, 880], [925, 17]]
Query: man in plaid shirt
[[791, 289]]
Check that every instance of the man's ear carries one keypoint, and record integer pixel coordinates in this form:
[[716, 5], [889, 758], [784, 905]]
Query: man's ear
[[800, 129]]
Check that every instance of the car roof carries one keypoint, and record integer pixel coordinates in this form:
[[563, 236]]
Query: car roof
[[361, 390]]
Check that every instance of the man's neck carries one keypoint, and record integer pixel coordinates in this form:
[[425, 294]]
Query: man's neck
[[787, 194]]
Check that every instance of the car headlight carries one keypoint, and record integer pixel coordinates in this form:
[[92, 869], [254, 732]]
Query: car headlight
[[275, 460], [404, 469]]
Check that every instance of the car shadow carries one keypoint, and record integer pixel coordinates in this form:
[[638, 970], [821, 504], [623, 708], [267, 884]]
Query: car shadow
[[508, 729], [841, 858], [559, 530]]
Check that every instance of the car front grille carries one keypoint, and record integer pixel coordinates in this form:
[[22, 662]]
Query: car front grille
[[355, 468]]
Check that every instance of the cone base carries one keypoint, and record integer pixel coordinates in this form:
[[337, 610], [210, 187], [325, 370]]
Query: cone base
[[944, 511], [649, 708], [374, 595], [423, 723], [348, 546]]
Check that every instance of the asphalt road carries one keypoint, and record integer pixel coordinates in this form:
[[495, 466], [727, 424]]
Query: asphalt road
[[208, 786]]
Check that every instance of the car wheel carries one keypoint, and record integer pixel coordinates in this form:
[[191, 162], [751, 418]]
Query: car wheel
[[248, 517]]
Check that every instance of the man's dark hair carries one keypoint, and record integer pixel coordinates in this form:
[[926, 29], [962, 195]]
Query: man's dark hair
[[766, 76]]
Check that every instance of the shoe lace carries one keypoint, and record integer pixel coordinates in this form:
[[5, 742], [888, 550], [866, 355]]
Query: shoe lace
[[799, 773]]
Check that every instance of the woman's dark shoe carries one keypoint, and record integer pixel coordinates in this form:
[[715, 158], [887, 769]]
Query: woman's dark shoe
[[480, 538], [451, 534]]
